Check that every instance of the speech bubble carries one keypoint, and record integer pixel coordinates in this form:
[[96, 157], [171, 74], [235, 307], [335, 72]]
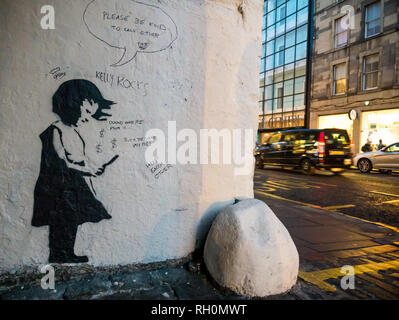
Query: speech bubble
[[131, 26]]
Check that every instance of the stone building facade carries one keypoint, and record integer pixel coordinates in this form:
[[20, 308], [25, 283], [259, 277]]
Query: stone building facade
[[355, 69]]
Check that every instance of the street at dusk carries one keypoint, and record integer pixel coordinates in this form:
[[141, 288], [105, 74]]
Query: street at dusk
[[373, 196]]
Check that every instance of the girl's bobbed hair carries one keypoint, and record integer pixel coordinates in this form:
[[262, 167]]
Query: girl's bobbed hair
[[69, 97]]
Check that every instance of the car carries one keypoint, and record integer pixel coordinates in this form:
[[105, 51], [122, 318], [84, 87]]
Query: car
[[307, 149], [386, 159]]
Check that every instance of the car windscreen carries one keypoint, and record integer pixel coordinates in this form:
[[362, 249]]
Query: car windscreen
[[336, 137], [275, 138]]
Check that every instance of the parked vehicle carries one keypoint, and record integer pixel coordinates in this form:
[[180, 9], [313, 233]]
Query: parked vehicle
[[307, 149], [385, 159]]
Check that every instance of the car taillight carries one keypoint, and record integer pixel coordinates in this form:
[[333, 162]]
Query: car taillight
[[321, 146], [352, 147]]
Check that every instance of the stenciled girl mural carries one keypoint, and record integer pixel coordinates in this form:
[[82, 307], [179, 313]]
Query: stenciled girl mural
[[64, 195]]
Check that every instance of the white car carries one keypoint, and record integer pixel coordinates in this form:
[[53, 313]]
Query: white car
[[386, 159]]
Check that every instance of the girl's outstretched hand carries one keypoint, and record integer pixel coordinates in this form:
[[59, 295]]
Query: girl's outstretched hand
[[100, 171]]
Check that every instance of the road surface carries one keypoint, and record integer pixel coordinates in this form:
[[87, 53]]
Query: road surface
[[373, 196]]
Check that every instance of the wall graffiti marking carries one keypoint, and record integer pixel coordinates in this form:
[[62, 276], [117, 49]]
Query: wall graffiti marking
[[158, 169], [139, 142], [116, 125], [123, 82], [57, 73], [131, 26]]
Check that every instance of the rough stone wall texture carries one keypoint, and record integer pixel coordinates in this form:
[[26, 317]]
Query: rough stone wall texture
[[207, 78]]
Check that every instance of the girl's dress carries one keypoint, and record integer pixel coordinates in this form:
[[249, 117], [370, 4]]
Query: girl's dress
[[61, 194]]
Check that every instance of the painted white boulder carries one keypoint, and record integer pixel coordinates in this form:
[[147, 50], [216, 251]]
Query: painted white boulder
[[248, 250]]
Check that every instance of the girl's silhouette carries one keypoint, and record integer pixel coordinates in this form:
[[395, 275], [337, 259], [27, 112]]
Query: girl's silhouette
[[64, 196]]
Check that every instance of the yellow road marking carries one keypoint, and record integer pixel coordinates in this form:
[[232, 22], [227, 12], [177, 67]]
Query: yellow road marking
[[386, 194], [299, 180], [278, 183], [391, 201], [393, 254], [326, 184], [289, 200], [364, 251], [339, 207], [300, 185], [394, 202], [275, 185], [318, 277], [265, 188]]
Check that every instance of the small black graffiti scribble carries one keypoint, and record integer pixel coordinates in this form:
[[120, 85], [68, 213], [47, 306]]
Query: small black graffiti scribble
[[57, 73], [113, 143], [124, 125], [158, 169], [119, 81], [99, 148], [102, 132], [140, 142], [143, 45]]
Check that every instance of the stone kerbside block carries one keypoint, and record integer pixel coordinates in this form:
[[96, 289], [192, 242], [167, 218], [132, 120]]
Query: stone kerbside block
[[248, 250]]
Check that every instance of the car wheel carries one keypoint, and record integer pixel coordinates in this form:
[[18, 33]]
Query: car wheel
[[258, 163], [364, 165], [307, 167]]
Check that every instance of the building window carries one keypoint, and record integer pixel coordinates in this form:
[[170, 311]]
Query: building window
[[284, 63], [279, 98], [339, 73], [370, 72], [341, 32], [373, 19]]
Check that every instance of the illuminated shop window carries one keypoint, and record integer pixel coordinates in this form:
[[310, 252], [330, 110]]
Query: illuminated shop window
[[383, 124]]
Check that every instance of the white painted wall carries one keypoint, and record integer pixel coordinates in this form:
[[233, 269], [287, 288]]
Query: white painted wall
[[208, 78]]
